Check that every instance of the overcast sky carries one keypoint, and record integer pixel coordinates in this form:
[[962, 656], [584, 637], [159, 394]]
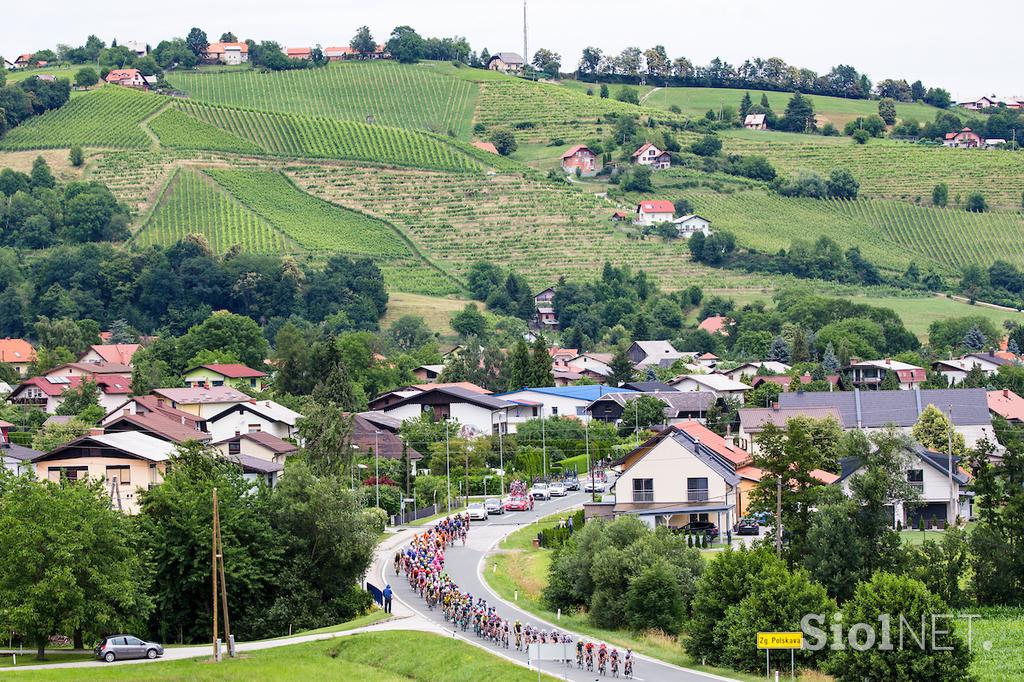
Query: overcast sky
[[889, 38]]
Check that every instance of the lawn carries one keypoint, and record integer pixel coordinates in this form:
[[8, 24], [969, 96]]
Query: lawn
[[434, 310], [998, 643], [368, 657]]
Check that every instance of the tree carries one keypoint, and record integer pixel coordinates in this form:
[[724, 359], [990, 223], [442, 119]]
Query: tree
[[76, 157], [842, 185], [69, 563], [745, 105], [932, 430], [829, 362], [227, 332], [504, 141], [621, 367], [469, 322], [86, 77], [799, 115], [976, 203], [941, 654], [197, 42], [540, 364], [363, 43], [709, 145], [887, 110], [518, 368], [405, 45], [408, 333], [81, 399], [628, 95], [779, 350], [640, 413], [337, 389], [604, 91], [547, 61], [974, 340], [654, 600], [940, 195]]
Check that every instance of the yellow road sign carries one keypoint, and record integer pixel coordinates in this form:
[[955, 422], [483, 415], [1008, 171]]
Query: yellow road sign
[[780, 640]]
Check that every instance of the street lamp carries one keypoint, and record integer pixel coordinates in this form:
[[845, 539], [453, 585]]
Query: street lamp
[[448, 465], [485, 485], [351, 468], [376, 465]]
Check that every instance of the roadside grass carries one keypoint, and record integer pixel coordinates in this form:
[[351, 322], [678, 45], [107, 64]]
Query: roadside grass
[[369, 657], [52, 656], [375, 616]]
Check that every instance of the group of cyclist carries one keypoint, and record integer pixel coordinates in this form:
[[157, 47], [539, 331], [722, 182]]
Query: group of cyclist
[[422, 563]]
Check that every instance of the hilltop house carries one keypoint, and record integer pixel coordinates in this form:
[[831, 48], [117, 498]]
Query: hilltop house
[[650, 155], [580, 158], [965, 138], [227, 374], [18, 354], [299, 52], [755, 122], [688, 225], [226, 53], [654, 211], [339, 53], [983, 102], [486, 146], [506, 62], [871, 373], [545, 297]]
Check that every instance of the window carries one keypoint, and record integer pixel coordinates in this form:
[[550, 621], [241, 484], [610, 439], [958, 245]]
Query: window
[[234, 447], [554, 411], [70, 473], [696, 489], [915, 477], [643, 490], [122, 473], [581, 411], [534, 411], [255, 428]]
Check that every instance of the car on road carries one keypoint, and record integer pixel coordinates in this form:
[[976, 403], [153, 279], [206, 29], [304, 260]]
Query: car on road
[[120, 647], [572, 483], [700, 528], [747, 526], [494, 506], [540, 491], [477, 511], [593, 486], [557, 490], [519, 504]]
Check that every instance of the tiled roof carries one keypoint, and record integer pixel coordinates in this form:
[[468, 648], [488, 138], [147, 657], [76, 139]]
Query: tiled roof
[[268, 440], [657, 206], [875, 409], [109, 384], [231, 370], [194, 396], [486, 146], [714, 324], [16, 351], [120, 353], [1007, 404], [576, 148], [159, 425]]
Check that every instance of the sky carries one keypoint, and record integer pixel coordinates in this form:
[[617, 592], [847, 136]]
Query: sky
[[885, 39]]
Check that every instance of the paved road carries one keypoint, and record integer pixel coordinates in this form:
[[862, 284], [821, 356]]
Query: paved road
[[465, 564]]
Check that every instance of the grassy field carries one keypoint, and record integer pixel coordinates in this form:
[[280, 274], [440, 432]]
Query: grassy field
[[350, 91], [67, 72], [435, 311], [393, 656], [107, 117]]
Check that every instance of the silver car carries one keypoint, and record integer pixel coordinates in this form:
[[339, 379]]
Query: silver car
[[118, 647], [494, 506]]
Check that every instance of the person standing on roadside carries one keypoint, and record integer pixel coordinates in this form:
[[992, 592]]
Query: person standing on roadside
[[388, 594]]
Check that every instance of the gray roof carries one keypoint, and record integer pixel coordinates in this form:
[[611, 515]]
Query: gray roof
[[937, 460], [257, 465], [753, 419], [508, 57], [457, 394], [675, 401], [875, 409], [18, 452]]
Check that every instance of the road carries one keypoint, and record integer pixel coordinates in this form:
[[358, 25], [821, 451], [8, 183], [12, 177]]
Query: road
[[465, 565]]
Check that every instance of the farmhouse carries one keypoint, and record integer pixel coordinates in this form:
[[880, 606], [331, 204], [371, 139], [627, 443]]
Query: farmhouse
[[23, 61], [965, 139], [506, 62], [227, 53], [689, 225], [580, 158], [18, 354], [129, 78], [337, 54], [654, 212], [755, 122], [650, 155], [299, 53]]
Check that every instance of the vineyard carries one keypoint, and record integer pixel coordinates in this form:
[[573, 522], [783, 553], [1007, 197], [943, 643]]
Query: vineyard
[[894, 170], [178, 130], [889, 233], [553, 111], [107, 117], [132, 175], [396, 95], [545, 230], [193, 203], [327, 138]]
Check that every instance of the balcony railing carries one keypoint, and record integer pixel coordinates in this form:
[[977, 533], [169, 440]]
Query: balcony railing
[[697, 495]]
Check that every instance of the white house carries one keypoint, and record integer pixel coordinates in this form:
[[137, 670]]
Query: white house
[[928, 473], [478, 414], [553, 401], [654, 212], [674, 479], [871, 373], [254, 416], [47, 393], [750, 369], [689, 225], [202, 402], [955, 370], [722, 386], [598, 364], [654, 354], [650, 155], [755, 122]]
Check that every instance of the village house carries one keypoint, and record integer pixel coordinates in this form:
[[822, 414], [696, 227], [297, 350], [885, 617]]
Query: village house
[[299, 53], [547, 319], [871, 373], [545, 297], [650, 155], [150, 407], [755, 122], [15, 458], [254, 416], [716, 384], [231, 54], [202, 402], [553, 401], [715, 324], [966, 139], [428, 374], [580, 158], [643, 354], [113, 353], [1007, 405], [339, 53], [754, 419], [376, 432], [955, 370], [129, 78], [506, 62], [22, 61], [708, 360], [983, 102], [227, 374], [689, 225], [156, 423], [928, 473], [593, 365], [47, 392], [653, 212], [18, 354], [478, 414], [389, 398], [261, 455], [679, 406], [750, 369]]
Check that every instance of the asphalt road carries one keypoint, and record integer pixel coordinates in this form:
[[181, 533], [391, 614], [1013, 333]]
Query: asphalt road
[[465, 565]]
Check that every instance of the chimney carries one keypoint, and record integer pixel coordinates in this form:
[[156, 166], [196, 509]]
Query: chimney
[[1006, 393], [96, 431], [775, 407], [991, 352], [237, 433], [888, 361]]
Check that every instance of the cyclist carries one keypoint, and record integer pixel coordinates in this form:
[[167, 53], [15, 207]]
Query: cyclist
[[615, 662], [518, 627], [589, 649], [602, 658], [627, 666], [579, 654]]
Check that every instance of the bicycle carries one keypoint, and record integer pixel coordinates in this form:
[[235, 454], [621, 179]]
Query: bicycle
[[590, 662], [615, 667], [627, 668]]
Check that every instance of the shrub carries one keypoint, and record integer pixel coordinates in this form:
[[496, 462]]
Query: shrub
[[808, 185], [504, 141], [842, 185], [861, 136], [709, 145], [976, 203], [628, 95], [76, 157]]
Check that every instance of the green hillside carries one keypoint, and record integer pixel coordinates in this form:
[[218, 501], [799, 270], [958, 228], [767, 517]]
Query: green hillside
[[178, 130], [107, 117], [394, 95]]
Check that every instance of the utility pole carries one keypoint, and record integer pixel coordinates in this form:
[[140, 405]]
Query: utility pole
[[376, 465], [636, 405], [213, 571], [586, 434], [778, 517], [218, 577], [949, 466], [543, 443], [526, 52], [501, 456], [448, 465], [467, 474]]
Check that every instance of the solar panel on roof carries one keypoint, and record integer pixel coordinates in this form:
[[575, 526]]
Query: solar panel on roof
[[58, 380]]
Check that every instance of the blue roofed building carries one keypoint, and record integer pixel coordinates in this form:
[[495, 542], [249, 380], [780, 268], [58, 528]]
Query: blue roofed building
[[555, 401]]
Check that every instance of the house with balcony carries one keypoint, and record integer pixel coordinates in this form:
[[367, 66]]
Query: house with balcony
[[869, 374]]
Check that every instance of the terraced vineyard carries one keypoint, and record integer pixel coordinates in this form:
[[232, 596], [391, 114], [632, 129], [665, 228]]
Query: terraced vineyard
[[894, 170], [178, 130], [890, 233], [193, 203], [108, 117], [395, 95], [545, 230], [135, 177], [553, 110], [327, 138]]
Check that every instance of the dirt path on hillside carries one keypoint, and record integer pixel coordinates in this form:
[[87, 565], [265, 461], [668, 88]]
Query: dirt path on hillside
[[144, 124], [644, 98]]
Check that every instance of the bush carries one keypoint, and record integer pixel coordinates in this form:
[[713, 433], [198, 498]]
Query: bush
[[861, 136], [504, 141], [653, 600], [76, 157], [976, 203], [628, 95], [842, 185], [709, 145], [829, 130], [808, 185]]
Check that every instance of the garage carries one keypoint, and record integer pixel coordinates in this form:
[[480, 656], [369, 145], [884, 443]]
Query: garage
[[928, 511]]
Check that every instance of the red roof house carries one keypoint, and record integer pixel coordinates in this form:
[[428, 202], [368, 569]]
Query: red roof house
[[299, 53], [486, 146], [654, 211], [716, 324], [129, 78], [582, 158]]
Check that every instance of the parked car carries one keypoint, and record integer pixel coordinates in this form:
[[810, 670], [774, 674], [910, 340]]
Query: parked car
[[494, 506], [572, 483], [762, 518], [593, 486], [540, 491], [700, 528], [557, 490], [477, 512], [118, 647], [747, 526], [519, 504]]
